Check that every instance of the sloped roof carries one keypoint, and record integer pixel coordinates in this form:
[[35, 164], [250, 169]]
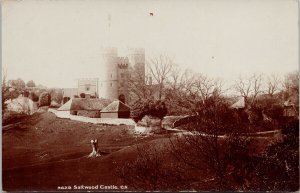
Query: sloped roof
[[239, 104], [116, 106], [288, 103], [84, 104]]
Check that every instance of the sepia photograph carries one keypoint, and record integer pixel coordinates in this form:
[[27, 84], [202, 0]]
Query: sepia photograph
[[152, 95]]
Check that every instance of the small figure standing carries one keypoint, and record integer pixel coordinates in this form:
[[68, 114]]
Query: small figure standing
[[95, 148]]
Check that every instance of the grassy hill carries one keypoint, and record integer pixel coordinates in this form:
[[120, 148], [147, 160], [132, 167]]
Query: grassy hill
[[43, 152]]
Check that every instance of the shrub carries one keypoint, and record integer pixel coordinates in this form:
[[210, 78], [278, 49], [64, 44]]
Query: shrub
[[44, 99], [30, 83], [33, 97], [26, 93], [56, 95], [154, 108], [82, 95], [19, 83], [66, 99], [278, 167]]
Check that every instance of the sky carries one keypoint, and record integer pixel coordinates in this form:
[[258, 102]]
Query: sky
[[54, 42]]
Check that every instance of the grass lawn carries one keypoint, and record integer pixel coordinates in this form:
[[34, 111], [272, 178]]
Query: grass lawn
[[43, 152]]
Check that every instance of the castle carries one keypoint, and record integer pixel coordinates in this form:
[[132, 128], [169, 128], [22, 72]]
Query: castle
[[114, 82]]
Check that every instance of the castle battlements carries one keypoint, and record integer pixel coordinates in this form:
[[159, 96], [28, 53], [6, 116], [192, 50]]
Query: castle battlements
[[113, 81], [123, 62]]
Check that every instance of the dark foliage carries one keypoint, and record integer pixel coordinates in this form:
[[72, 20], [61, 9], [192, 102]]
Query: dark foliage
[[82, 95], [66, 99], [26, 93], [44, 99], [33, 97], [56, 95], [278, 168], [154, 108], [216, 145]]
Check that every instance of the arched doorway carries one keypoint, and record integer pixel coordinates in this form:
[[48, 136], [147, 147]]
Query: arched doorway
[[122, 98]]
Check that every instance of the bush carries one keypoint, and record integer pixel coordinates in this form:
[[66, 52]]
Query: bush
[[19, 84], [82, 95], [26, 93], [44, 99], [33, 97], [56, 95], [154, 108], [278, 167], [66, 99], [30, 83]]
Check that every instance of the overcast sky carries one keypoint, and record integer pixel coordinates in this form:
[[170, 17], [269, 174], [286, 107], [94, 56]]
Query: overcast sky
[[54, 42]]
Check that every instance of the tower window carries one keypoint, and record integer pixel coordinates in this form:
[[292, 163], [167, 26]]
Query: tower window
[[110, 84], [111, 75], [122, 75]]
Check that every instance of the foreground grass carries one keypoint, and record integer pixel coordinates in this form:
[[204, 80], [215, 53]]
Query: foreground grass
[[43, 152]]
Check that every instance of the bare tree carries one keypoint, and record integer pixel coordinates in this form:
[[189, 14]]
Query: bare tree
[[291, 83], [207, 87], [273, 84], [181, 90], [257, 85], [207, 150], [174, 79], [187, 89], [160, 68], [4, 89], [243, 87], [249, 87], [137, 87]]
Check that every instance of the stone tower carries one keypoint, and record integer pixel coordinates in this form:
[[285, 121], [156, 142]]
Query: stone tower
[[108, 83], [137, 63], [123, 79], [117, 71]]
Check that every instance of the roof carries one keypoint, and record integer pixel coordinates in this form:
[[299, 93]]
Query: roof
[[116, 106], [288, 103], [239, 104], [84, 104]]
